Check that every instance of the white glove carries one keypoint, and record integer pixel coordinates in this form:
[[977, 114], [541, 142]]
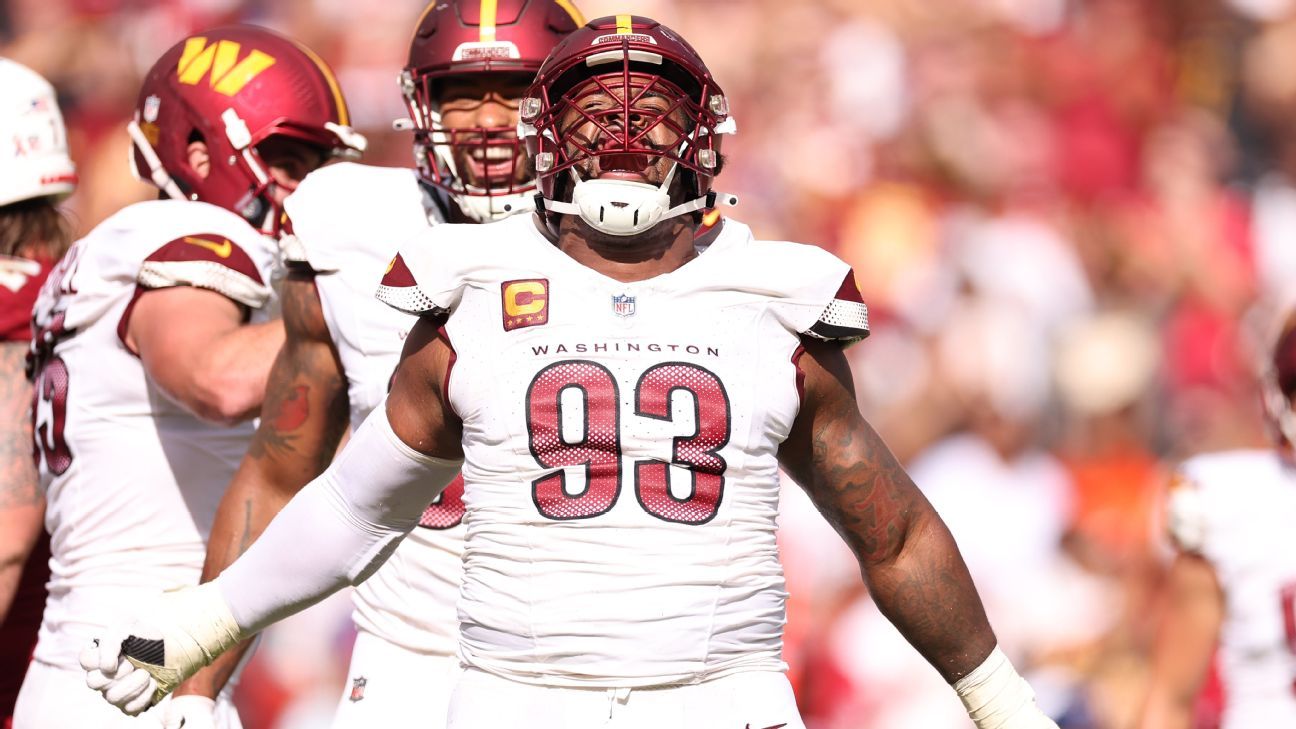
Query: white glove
[[189, 712], [123, 686], [136, 665], [996, 697]]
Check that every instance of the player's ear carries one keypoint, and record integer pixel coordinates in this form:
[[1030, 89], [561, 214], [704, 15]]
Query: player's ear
[[199, 157]]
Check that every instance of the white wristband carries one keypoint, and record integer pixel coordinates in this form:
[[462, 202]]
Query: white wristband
[[993, 693]]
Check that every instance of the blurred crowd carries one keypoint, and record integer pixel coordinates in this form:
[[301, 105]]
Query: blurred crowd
[[1069, 219]]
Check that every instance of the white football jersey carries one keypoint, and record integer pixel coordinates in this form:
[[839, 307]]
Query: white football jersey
[[132, 479], [620, 445], [1236, 509], [347, 219]]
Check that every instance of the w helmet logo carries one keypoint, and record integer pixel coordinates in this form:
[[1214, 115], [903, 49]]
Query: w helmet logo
[[228, 74]]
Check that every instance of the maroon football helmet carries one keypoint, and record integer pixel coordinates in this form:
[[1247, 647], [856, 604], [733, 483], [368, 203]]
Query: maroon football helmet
[[671, 96], [464, 37], [233, 88]]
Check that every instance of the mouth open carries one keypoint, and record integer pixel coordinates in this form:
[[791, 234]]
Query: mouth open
[[636, 163], [620, 166], [491, 165]]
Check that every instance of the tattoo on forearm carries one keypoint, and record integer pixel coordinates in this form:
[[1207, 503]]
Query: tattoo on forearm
[[290, 413], [863, 491], [306, 370]]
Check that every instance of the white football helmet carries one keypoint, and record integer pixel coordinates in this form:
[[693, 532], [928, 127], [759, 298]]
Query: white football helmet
[[34, 158]]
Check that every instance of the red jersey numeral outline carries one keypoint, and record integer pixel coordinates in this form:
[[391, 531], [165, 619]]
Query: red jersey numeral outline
[[599, 447]]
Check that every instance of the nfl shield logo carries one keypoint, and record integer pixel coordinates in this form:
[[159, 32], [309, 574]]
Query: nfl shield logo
[[623, 305], [357, 688], [151, 106]]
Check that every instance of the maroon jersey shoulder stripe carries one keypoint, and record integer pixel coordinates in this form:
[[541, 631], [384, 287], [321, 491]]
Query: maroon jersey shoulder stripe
[[849, 290], [208, 247], [398, 275]]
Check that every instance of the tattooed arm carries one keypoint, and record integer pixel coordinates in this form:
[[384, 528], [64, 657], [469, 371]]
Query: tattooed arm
[[22, 506], [302, 419], [909, 561]]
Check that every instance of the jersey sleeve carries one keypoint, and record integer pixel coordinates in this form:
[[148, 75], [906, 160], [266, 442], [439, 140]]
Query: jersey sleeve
[[308, 225], [346, 205], [20, 281], [429, 273], [845, 317], [207, 261], [814, 292]]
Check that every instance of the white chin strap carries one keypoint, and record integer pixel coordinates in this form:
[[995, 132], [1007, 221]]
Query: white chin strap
[[157, 173], [489, 208], [625, 207]]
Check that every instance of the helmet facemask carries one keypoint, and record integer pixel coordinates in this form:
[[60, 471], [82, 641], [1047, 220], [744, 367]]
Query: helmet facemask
[[484, 170], [635, 145]]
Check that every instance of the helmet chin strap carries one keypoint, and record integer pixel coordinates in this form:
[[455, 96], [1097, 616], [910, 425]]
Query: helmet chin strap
[[624, 207], [490, 208], [157, 173]]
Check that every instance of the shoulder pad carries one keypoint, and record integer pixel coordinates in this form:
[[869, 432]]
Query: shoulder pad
[[344, 205], [816, 291]]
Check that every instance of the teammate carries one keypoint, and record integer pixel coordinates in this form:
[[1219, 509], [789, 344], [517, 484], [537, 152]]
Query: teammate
[[621, 403], [1232, 586], [469, 63], [35, 173], [153, 341]]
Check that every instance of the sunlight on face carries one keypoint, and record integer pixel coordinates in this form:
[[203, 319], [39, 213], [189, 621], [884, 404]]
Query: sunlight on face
[[597, 122], [480, 114]]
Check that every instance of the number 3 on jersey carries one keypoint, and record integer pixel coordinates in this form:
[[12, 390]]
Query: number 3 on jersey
[[598, 449]]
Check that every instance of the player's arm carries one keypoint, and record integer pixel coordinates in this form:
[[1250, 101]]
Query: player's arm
[[195, 347], [1185, 643], [22, 506], [908, 558], [303, 418], [352, 517]]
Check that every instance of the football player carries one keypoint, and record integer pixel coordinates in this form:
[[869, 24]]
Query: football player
[[620, 405], [469, 63], [153, 343], [35, 173], [1232, 585]]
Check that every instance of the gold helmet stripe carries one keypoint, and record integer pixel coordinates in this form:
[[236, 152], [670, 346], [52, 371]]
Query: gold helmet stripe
[[624, 25], [488, 11], [572, 11]]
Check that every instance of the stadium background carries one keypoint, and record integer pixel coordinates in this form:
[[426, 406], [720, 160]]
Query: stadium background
[[1069, 218]]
